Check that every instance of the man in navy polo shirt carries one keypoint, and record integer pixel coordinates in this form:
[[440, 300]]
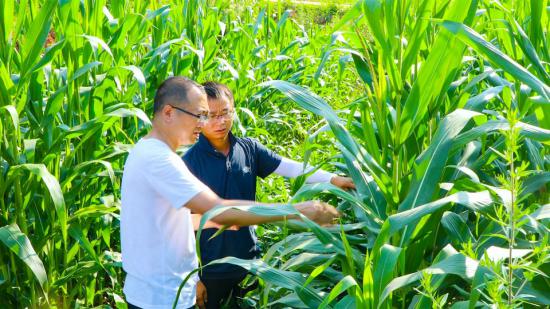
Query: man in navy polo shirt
[[229, 166]]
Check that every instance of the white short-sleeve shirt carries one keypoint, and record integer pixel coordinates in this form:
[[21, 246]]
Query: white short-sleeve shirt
[[157, 237]]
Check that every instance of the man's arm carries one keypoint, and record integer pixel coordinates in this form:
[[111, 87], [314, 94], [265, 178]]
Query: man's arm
[[291, 168], [320, 212]]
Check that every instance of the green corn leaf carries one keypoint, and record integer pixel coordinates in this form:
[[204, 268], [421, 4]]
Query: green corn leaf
[[50, 53], [434, 76], [346, 283], [527, 130], [305, 259], [18, 243], [477, 103], [328, 53], [325, 237], [415, 41], [286, 279], [6, 85], [498, 58], [35, 37], [76, 232], [13, 116], [354, 12], [290, 300], [95, 42], [455, 264], [373, 11], [54, 190], [347, 301], [477, 201], [84, 69], [429, 166], [280, 210], [534, 182], [310, 190], [384, 269], [319, 270], [368, 282], [456, 227], [6, 22], [530, 51], [138, 75], [318, 106]]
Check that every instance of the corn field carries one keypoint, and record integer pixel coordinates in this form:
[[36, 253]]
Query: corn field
[[438, 110]]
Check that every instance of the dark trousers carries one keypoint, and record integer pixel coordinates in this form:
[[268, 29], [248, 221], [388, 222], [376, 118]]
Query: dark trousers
[[222, 291]]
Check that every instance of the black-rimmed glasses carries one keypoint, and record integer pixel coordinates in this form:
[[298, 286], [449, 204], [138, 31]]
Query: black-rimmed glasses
[[226, 114], [200, 117]]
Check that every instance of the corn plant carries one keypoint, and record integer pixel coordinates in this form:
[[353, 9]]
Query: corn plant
[[77, 82], [442, 117], [437, 109]]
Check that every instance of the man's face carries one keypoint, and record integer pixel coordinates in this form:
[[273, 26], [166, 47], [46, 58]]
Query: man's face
[[186, 126], [220, 119]]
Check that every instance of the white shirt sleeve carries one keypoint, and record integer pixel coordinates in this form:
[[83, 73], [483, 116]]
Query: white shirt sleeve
[[290, 168], [172, 180]]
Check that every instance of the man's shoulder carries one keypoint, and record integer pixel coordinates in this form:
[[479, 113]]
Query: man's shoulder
[[190, 152], [152, 156], [149, 149], [249, 142]]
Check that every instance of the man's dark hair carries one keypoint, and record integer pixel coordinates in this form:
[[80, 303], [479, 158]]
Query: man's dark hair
[[215, 90], [174, 89]]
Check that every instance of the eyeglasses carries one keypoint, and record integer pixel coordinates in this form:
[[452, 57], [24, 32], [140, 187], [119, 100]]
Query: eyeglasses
[[227, 114], [201, 117]]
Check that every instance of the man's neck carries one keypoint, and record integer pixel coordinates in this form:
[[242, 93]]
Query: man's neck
[[222, 145], [157, 134]]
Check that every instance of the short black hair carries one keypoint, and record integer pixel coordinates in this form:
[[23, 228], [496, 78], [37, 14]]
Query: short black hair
[[215, 90], [174, 89]]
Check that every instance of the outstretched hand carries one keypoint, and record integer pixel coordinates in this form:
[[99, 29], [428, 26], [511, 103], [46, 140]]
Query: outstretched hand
[[344, 183], [319, 212]]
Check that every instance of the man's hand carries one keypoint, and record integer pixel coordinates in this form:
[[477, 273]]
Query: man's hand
[[201, 295], [342, 182], [196, 218], [320, 212]]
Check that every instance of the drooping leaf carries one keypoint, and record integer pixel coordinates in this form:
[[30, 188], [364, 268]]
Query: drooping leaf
[[54, 190], [286, 279], [497, 57], [36, 35], [456, 264], [18, 243]]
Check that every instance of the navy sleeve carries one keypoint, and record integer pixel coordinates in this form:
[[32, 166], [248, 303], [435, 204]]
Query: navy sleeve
[[190, 161], [267, 161]]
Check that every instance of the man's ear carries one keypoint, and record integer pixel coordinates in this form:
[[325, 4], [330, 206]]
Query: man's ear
[[167, 112]]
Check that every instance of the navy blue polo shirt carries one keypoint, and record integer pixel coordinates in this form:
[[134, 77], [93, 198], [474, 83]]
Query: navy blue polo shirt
[[230, 177]]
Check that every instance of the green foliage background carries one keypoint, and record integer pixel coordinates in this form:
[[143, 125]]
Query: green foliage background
[[439, 110]]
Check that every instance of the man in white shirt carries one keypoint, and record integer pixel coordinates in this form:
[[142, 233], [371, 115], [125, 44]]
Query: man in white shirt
[[158, 195]]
